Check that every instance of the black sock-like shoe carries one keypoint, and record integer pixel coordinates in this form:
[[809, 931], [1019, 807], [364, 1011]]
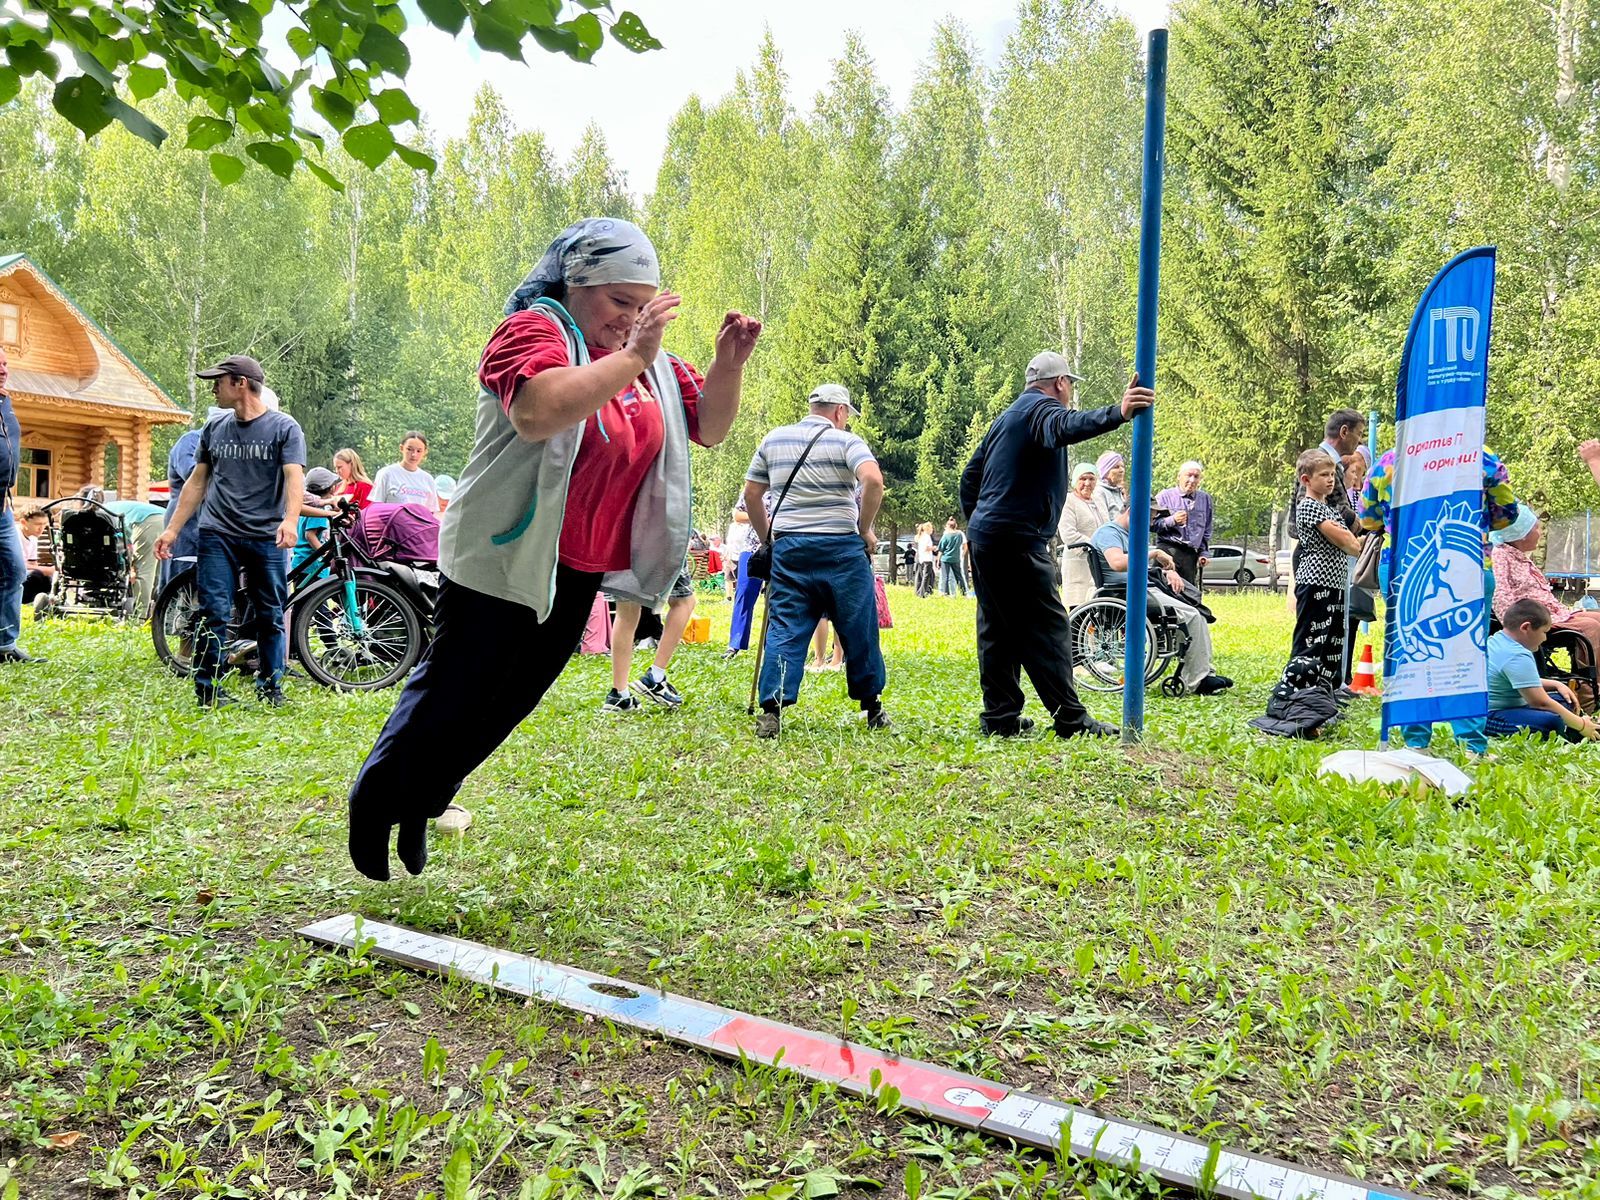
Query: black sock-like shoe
[[369, 845], [412, 844]]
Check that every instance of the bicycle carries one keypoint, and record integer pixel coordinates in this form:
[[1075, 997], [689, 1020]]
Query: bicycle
[[355, 623]]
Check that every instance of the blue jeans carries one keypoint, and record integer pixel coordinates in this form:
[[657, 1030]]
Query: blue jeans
[[1469, 731], [746, 592], [222, 558], [13, 574], [816, 576], [951, 574], [1506, 722]]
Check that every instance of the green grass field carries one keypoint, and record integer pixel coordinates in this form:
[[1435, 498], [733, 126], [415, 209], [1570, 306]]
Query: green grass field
[[1198, 932]]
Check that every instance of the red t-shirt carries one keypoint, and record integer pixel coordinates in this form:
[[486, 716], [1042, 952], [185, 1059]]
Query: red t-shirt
[[359, 490], [595, 534]]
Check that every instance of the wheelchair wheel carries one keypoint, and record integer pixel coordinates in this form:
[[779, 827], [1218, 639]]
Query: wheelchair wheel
[[357, 636], [1173, 685], [1100, 641]]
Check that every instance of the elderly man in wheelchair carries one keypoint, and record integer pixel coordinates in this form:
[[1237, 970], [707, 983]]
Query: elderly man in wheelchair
[[1174, 629]]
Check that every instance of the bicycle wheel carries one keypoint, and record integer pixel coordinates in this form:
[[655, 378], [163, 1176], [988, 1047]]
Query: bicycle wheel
[[175, 623], [1100, 645], [360, 635]]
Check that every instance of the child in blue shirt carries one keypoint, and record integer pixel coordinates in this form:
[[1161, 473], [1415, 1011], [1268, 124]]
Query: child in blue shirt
[[314, 514], [1520, 700]]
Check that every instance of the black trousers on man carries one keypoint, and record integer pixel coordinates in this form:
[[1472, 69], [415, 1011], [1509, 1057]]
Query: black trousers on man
[[1185, 559], [1022, 626]]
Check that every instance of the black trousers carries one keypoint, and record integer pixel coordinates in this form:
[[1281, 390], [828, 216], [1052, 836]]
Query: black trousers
[[1022, 626], [1186, 558], [1319, 629], [489, 664]]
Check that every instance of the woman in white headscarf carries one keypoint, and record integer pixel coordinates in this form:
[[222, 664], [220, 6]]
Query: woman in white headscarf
[[1079, 523], [579, 474]]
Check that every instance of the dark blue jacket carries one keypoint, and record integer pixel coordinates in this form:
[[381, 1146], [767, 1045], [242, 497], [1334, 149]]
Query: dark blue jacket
[[10, 445], [1016, 484]]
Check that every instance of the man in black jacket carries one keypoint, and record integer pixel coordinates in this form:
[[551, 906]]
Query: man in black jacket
[[1012, 493], [13, 567]]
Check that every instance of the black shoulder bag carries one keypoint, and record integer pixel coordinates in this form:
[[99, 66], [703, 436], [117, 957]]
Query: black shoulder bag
[[760, 564]]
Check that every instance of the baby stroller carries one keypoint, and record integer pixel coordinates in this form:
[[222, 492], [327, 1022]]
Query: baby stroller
[[89, 544]]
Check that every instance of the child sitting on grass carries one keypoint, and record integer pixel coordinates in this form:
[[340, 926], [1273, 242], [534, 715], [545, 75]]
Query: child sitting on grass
[[1518, 698], [1320, 581]]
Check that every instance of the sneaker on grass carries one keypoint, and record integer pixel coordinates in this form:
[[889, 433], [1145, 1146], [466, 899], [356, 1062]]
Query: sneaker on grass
[[454, 819], [620, 702], [767, 725], [653, 683]]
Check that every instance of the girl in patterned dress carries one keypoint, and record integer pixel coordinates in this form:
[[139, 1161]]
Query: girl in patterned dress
[[1326, 548]]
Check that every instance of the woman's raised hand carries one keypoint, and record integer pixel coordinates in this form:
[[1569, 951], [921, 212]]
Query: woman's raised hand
[[737, 338], [651, 323]]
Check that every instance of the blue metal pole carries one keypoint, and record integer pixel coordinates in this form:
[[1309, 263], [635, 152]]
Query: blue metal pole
[[1144, 364]]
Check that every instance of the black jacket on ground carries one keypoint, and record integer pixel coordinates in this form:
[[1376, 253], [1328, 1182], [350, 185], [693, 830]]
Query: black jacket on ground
[[1015, 486]]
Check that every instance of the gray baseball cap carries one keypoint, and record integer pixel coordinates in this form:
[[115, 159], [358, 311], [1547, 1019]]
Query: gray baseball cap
[[833, 393], [1047, 364]]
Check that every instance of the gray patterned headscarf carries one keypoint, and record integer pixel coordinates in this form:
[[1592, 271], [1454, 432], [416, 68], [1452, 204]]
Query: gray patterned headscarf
[[594, 251]]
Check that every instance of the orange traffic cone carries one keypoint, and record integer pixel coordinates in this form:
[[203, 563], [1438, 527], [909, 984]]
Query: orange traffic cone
[[1366, 678]]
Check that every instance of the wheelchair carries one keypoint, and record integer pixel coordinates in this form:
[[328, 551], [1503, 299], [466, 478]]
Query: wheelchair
[[1099, 631]]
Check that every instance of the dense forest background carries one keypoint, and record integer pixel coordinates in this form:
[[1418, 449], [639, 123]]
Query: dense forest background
[[1324, 160]]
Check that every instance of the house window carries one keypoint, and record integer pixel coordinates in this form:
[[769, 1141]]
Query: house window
[[111, 476], [11, 326], [33, 476]]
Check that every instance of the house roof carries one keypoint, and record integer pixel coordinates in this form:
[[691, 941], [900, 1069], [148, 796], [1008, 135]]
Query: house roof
[[121, 385]]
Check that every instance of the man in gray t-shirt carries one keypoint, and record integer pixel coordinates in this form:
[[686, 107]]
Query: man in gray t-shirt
[[247, 483]]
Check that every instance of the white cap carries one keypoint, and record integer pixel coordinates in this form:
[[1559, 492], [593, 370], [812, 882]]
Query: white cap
[[1047, 364], [834, 393]]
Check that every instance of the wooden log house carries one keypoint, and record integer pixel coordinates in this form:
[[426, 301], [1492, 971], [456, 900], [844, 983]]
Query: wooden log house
[[86, 407]]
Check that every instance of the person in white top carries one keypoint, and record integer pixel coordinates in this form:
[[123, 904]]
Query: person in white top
[[405, 482], [925, 558], [1080, 521]]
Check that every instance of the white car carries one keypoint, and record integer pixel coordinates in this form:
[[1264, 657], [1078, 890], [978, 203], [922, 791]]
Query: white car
[[1234, 564]]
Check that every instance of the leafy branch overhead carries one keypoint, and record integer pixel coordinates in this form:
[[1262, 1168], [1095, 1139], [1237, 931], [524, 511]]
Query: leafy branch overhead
[[212, 51]]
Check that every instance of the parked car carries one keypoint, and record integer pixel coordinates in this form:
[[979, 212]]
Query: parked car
[[1233, 564], [905, 543]]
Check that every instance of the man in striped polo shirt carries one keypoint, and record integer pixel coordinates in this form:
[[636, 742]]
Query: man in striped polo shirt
[[822, 546]]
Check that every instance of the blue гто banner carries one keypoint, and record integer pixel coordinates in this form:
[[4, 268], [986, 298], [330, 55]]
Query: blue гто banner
[[1435, 664]]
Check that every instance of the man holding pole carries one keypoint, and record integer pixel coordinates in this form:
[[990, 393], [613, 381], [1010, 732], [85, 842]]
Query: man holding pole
[[1012, 493]]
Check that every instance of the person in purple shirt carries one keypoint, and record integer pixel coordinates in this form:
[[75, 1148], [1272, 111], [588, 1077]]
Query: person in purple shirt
[[1185, 533]]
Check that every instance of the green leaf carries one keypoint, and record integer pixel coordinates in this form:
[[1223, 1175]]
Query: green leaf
[[93, 68], [226, 168], [301, 42], [630, 31], [144, 81], [325, 23], [135, 122], [380, 48], [333, 108], [274, 156], [82, 101], [415, 159], [558, 39], [458, 1174], [369, 144], [590, 33], [29, 58], [448, 15], [495, 28], [394, 107], [10, 85], [206, 132], [327, 177]]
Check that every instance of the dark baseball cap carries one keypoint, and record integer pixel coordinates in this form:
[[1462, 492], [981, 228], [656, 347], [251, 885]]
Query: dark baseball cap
[[241, 365]]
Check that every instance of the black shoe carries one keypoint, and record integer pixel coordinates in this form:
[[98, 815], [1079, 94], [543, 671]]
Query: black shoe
[[412, 845], [18, 655], [878, 719], [272, 695], [1091, 728], [1021, 726], [731, 652], [214, 698], [1223, 679], [1212, 684], [369, 845]]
